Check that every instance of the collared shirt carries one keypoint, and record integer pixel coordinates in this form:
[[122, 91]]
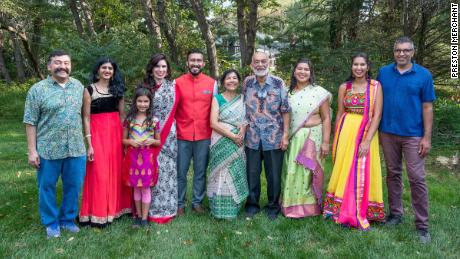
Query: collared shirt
[[194, 107], [403, 98], [56, 113], [264, 108]]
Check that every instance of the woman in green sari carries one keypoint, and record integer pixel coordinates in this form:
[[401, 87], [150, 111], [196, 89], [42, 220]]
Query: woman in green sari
[[227, 183], [309, 135]]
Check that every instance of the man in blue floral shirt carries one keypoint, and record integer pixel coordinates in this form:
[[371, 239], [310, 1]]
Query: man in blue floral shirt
[[267, 115], [55, 142]]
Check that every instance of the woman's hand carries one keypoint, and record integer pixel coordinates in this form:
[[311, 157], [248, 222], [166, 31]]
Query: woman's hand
[[324, 150], [90, 154], [238, 139], [364, 148]]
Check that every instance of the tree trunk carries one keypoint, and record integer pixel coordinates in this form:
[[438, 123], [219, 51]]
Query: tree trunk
[[241, 21], [207, 35], [76, 17], [427, 10], [152, 23], [167, 30], [88, 18], [335, 26], [251, 30], [20, 67], [3, 69], [247, 28]]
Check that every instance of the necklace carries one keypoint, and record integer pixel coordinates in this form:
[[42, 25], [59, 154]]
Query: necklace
[[105, 92]]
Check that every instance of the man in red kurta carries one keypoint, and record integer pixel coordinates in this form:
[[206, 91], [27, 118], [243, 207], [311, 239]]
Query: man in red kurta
[[195, 91]]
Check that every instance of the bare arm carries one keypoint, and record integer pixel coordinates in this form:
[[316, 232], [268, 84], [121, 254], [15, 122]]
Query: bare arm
[[340, 107], [126, 140], [218, 127], [121, 109], [365, 144], [425, 142], [325, 114], [86, 123], [33, 157]]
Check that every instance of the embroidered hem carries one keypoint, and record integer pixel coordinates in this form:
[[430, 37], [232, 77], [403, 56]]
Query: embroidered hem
[[332, 205], [103, 220]]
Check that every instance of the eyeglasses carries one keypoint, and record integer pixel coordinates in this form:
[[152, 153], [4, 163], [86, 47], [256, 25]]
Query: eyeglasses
[[404, 51]]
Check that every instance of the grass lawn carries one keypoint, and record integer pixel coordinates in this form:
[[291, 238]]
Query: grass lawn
[[21, 234]]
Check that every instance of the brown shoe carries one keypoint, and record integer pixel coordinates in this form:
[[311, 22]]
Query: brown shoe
[[198, 209], [180, 211]]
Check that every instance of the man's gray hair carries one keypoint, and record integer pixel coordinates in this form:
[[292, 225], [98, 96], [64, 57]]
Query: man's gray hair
[[404, 39]]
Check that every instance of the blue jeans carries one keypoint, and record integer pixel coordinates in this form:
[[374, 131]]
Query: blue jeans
[[72, 172], [199, 151]]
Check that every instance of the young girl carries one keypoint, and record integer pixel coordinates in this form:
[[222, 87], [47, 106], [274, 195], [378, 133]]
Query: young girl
[[141, 136]]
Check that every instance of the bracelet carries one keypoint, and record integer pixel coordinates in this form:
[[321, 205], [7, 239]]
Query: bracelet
[[89, 135]]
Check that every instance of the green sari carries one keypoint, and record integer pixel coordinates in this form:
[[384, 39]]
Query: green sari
[[227, 184], [301, 190]]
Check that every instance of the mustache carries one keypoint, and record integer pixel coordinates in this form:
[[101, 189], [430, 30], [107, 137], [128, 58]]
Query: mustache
[[57, 70]]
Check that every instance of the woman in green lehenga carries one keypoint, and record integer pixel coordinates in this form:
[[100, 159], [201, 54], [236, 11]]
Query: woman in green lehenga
[[227, 183], [309, 134]]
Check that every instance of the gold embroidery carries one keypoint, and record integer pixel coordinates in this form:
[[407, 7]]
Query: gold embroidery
[[137, 172], [143, 172]]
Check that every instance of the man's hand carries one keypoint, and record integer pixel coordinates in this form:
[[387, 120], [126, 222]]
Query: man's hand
[[424, 147], [34, 159], [284, 142], [90, 154]]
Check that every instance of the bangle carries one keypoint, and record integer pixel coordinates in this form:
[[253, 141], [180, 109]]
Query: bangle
[[89, 135]]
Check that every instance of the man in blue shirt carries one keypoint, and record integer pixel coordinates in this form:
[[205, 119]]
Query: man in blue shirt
[[405, 130]]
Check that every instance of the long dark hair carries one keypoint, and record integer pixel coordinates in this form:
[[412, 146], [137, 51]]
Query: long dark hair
[[117, 86], [149, 81], [141, 91], [228, 72], [312, 73], [368, 62]]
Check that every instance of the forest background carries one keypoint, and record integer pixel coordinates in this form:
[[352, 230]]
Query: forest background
[[326, 31]]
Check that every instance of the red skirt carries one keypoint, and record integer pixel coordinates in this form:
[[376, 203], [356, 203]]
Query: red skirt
[[104, 196]]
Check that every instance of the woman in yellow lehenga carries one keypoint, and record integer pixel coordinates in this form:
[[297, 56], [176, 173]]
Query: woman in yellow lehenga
[[354, 195]]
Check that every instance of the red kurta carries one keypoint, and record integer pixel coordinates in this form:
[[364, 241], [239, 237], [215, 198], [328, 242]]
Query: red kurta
[[193, 111]]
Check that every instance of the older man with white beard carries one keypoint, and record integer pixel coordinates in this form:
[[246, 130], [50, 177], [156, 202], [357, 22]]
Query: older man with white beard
[[267, 115]]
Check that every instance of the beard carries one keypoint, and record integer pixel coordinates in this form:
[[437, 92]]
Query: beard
[[260, 73], [194, 71]]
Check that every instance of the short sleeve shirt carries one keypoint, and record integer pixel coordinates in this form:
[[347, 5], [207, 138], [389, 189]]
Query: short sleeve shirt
[[264, 112], [403, 98], [56, 113]]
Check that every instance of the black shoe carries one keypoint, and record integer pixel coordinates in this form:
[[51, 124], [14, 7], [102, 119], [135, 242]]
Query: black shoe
[[424, 236], [272, 217], [144, 223], [393, 220], [137, 222]]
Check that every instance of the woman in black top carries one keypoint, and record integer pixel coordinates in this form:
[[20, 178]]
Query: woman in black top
[[104, 196]]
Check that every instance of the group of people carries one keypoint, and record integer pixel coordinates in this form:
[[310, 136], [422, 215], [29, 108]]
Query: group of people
[[137, 162]]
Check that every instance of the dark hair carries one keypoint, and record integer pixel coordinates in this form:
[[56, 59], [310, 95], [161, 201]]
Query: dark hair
[[194, 51], [117, 86], [149, 80], [368, 62], [57, 53], [226, 73], [312, 73], [404, 39], [138, 92]]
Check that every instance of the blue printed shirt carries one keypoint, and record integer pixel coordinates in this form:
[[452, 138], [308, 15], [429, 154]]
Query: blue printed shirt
[[264, 108], [56, 113], [403, 98]]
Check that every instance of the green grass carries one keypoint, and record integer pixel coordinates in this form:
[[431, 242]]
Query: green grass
[[21, 234]]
